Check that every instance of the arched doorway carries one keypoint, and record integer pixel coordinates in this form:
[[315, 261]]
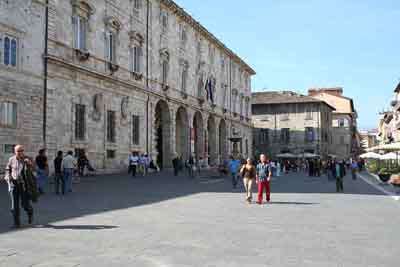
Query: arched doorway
[[163, 134], [198, 136], [222, 140], [182, 133], [212, 141]]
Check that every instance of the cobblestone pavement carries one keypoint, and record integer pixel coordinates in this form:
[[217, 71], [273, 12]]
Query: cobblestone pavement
[[178, 221]]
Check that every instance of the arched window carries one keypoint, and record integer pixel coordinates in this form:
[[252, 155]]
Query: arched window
[[82, 11]]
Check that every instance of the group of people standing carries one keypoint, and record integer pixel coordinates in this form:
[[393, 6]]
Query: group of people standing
[[140, 164]]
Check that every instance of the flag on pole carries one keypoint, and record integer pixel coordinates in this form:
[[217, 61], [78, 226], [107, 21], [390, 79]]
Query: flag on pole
[[210, 89]]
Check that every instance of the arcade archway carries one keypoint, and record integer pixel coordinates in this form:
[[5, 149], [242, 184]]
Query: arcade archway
[[182, 133], [163, 134]]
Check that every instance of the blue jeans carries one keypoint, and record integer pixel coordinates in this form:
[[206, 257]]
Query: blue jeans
[[68, 179], [41, 179], [234, 179]]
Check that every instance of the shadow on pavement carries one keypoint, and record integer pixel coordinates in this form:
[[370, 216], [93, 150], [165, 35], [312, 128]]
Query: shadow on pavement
[[115, 192], [76, 227]]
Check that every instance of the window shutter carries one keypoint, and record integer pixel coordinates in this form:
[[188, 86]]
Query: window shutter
[[7, 51], [75, 31], [82, 34], [107, 45], [14, 114], [13, 53], [1, 48]]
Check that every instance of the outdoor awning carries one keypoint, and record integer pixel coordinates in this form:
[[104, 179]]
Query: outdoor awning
[[390, 156], [370, 155], [386, 147]]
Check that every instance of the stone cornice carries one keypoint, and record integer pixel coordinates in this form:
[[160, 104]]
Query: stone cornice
[[182, 14]]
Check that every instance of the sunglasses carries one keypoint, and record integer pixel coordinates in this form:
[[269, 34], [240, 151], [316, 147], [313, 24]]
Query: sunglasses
[[20, 150]]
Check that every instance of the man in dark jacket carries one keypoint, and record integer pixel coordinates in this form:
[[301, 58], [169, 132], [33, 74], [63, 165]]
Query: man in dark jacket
[[58, 174], [18, 187]]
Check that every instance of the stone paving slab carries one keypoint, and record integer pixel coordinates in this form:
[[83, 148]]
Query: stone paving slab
[[179, 221]]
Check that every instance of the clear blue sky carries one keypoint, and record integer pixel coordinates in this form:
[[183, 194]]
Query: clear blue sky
[[298, 44]]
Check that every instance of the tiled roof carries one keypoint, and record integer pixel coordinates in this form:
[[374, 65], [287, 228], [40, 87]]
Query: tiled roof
[[283, 97]]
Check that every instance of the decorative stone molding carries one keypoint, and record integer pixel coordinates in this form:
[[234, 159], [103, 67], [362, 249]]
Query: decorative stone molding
[[82, 55], [136, 37], [83, 8], [137, 76], [184, 95], [113, 23], [113, 67], [124, 107]]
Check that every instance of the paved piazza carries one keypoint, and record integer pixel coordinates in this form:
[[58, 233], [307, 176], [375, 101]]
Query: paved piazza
[[177, 221]]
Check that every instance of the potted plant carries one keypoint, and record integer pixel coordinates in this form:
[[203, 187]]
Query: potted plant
[[384, 175]]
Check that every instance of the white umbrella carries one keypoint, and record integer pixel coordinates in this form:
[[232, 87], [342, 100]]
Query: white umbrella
[[370, 155], [310, 155], [286, 155], [390, 156]]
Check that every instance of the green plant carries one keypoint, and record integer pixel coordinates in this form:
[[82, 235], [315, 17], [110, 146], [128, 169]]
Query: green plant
[[373, 166], [384, 171]]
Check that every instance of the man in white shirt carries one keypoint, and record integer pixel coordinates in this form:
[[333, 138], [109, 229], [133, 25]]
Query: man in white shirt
[[68, 165], [133, 163]]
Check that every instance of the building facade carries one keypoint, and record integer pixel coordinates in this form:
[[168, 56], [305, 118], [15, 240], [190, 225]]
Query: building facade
[[368, 139], [22, 42], [345, 143], [389, 121], [140, 76], [286, 122]]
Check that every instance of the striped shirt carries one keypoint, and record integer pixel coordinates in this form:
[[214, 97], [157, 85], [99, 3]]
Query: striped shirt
[[263, 171]]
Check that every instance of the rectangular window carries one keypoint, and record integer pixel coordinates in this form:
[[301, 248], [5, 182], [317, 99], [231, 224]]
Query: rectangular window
[[111, 126], [309, 113], [8, 51], [184, 79], [80, 121], [309, 135], [285, 135], [342, 140], [111, 47], [164, 78], [110, 154], [80, 28], [137, 55], [264, 136], [135, 130], [137, 4], [8, 114], [9, 149]]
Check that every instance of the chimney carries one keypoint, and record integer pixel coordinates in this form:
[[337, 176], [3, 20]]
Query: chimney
[[336, 91]]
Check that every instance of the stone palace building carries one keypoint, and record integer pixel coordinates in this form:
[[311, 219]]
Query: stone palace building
[[108, 77], [287, 122]]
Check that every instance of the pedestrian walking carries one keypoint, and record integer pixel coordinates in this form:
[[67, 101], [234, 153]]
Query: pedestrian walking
[[339, 173], [58, 174], [354, 167], [234, 165], [263, 179], [22, 185], [175, 165], [190, 165], [133, 160], [42, 170], [248, 172], [68, 166]]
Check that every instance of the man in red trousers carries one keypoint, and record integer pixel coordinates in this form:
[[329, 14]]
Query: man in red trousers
[[263, 178]]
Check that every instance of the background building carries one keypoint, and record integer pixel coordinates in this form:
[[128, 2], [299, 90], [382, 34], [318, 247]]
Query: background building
[[134, 75], [286, 122], [369, 138], [345, 143]]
